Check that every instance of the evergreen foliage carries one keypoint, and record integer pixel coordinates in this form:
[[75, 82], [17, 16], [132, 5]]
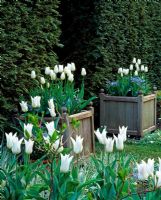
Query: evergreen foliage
[[29, 34]]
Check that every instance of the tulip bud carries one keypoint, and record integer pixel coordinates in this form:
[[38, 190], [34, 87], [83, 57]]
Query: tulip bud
[[83, 72], [72, 66], [50, 127], [136, 73], [36, 101], [126, 71], [48, 84], [9, 138], [29, 146], [60, 68], [65, 163], [71, 78], [33, 74], [62, 76], [47, 70], [146, 69], [134, 60], [24, 106], [28, 130], [131, 67], [120, 70], [139, 61], [142, 68], [42, 80], [16, 147], [56, 70], [52, 75], [77, 144]]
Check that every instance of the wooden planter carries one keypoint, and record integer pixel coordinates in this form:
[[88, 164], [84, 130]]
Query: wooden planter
[[85, 130], [138, 113]]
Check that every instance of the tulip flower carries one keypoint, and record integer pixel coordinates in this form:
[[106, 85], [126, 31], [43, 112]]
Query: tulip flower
[[101, 136], [126, 71], [71, 78], [16, 147], [146, 69], [142, 171], [24, 106], [29, 146], [139, 61], [47, 70], [50, 127], [136, 73], [142, 68], [158, 179], [150, 167], [42, 80], [56, 70], [60, 68], [51, 103], [35, 101], [77, 144], [131, 67], [52, 75], [69, 66], [72, 66], [9, 138], [52, 112], [123, 132], [28, 130], [62, 77], [65, 163], [134, 60], [83, 72], [120, 70], [119, 142], [109, 142], [33, 74]]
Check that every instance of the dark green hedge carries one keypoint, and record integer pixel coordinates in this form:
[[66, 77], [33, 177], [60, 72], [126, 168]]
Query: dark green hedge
[[29, 32], [103, 35]]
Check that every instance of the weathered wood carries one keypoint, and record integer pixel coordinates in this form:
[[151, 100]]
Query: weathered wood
[[138, 113]]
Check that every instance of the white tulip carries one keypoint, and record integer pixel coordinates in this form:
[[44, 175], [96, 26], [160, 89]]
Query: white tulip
[[77, 144], [36, 101], [52, 75], [56, 70], [29, 146], [136, 73], [65, 163], [101, 136], [48, 84], [137, 67], [71, 78], [146, 69], [60, 68], [16, 147], [9, 138], [28, 128], [131, 67], [150, 167], [139, 61], [62, 77], [109, 145], [72, 67], [159, 164], [134, 60], [51, 103], [123, 132], [52, 112], [142, 68], [142, 171], [83, 72], [56, 144], [126, 71], [69, 66], [119, 142], [120, 70], [50, 127], [33, 74], [47, 70], [24, 106], [158, 179], [42, 80]]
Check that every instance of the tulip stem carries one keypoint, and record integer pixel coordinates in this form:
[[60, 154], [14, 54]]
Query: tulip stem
[[51, 197]]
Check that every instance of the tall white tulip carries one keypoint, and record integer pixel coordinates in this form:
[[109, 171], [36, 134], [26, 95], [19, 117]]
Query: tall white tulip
[[158, 179], [36, 101], [77, 144], [101, 136], [150, 167], [119, 142], [51, 103], [62, 77], [29, 146], [72, 66], [47, 70], [16, 147], [142, 171], [24, 106], [28, 130], [136, 73], [120, 70], [69, 66], [146, 69], [65, 163], [52, 75], [109, 142], [71, 78], [42, 80], [56, 69], [33, 74], [52, 112], [139, 61], [83, 72], [142, 68], [61, 68], [9, 138], [50, 127], [134, 60], [123, 132], [131, 67]]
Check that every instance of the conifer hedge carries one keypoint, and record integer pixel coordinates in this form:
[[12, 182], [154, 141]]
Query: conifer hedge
[[30, 32]]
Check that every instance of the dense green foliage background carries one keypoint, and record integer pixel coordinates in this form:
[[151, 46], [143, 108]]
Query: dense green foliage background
[[29, 34]]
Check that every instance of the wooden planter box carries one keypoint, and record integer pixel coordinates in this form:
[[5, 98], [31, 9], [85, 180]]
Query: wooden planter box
[[85, 130], [138, 113]]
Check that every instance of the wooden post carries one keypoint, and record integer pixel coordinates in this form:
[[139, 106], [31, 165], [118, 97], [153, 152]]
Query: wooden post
[[155, 104], [102, 110], [140, 113]]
